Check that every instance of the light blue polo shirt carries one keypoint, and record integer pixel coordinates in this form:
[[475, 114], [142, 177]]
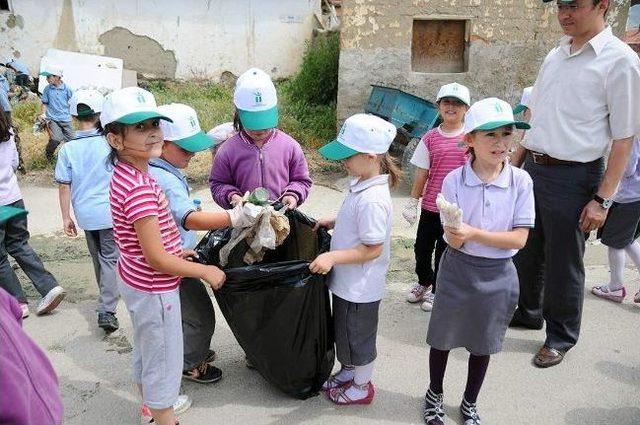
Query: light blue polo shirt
[[4, 101], [83, 163], [19, 66], [176, 189], [57, 101], [4, 84]]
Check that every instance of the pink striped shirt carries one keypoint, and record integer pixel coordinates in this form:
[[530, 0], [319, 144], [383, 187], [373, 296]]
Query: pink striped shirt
[[444, 157], [134, 195]]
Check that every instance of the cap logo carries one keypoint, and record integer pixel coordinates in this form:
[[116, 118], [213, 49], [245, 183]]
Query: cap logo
[[258, 97], [498, 108], [140, 98], [342, 130], [192, 122]]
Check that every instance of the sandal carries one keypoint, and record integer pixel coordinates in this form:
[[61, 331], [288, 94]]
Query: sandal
[[339, 395], [334, 382]]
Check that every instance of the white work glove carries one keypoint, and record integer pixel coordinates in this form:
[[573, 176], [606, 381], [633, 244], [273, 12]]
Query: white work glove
[[450, 212], [240, 218], [42, 118], [410, 211]]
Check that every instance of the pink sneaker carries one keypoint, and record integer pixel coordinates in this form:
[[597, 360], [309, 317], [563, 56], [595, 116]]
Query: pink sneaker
[[604, 292], [417, 293]]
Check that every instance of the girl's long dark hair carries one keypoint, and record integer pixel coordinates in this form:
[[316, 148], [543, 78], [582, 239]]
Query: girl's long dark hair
[[5, 127], [117, 129]]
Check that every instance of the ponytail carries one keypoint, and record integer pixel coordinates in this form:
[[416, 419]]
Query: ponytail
[[389, 165]]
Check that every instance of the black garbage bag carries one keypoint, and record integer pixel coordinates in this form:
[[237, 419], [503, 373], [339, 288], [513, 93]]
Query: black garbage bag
[[278, 311]]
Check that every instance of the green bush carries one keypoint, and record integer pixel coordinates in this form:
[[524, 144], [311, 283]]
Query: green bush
[[317, 81]]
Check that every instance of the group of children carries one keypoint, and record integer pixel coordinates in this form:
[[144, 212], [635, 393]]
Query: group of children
[[122, 175]]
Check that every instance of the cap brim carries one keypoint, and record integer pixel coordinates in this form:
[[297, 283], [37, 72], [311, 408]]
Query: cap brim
[[137, 117], [520, 108], [46, 74], [259, 120], [196, 143], [336, 151], [455, 97], [497, 124]]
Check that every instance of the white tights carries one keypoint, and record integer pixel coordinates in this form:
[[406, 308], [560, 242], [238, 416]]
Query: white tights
[[617, 260]]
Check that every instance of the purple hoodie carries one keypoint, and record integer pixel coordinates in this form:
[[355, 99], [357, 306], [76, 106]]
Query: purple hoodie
[[240, 166], [28, 384]]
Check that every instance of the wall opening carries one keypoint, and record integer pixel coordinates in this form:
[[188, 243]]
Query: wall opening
[[4, 6], [439, 46]]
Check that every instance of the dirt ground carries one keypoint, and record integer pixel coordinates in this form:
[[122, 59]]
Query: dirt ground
[[599, 382]]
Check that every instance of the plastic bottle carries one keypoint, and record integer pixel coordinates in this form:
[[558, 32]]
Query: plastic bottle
[[197, 203]]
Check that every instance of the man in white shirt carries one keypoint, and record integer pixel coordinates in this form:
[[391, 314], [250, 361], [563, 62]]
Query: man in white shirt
[[586, 99]]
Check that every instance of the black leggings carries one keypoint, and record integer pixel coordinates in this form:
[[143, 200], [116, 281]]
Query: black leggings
[[475, 376], [428, 239]]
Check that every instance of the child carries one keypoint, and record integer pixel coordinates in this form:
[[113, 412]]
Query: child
[[14, 236], [478, 284], [220, 134], [621, 230], [523, 106], [151, 255], [83, 178], [55, 108], [260, 155], [438, 153], [182, 139], [360, 252]]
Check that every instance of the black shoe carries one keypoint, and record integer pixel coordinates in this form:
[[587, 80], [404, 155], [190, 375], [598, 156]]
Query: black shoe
[[211, 356], [469, 413], [204, 373], [433, 409], [108, 322], [519, 322]]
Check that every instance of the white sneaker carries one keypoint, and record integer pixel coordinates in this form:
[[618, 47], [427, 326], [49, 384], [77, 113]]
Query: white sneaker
[[417, 293], [182, 404], [50, 301], [427, 304], [25, 310]]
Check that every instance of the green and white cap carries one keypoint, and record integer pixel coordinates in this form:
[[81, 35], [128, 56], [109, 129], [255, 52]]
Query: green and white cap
[[51, 69], [524, 101], [360, 133], [256, 99], [455, 90], [92, 98], [489, 114], [184, 129], [130, 105]]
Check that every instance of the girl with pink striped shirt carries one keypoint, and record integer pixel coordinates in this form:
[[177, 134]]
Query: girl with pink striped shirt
[[438, 153], [151, 256]]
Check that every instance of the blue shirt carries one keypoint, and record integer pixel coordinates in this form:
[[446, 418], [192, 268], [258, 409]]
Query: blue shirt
[[629, 189], [175, 187], [57, 101], [19, 66], [83, 164], [4, 83], [4, 101]]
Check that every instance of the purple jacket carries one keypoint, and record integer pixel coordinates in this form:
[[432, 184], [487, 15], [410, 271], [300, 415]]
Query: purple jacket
[[279, 166], [28, 383]]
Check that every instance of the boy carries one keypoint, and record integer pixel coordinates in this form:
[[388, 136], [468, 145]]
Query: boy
[[55, 109], [83, 178]]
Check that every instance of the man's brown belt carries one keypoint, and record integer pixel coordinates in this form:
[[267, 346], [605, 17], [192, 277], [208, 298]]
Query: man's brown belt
[[544, 159]]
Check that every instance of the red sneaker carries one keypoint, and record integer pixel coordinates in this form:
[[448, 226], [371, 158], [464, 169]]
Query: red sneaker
[[339, 395]]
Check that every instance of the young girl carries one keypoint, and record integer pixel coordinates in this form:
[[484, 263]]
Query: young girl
[[260, 155], [621, 230], [83, 177], [436, 155], [14, 236], [151, 258], [478, 284], [360, 252]]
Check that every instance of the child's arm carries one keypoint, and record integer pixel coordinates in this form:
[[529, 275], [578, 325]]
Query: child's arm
[[299, 181], [513, 239], [358, 255], [207, 220], [68, 225], [422, 175], [148, 232], [221, 181], [327, 223]]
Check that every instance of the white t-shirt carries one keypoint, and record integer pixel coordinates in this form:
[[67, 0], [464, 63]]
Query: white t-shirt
[[420, 157], [364, 218], [583, 100]]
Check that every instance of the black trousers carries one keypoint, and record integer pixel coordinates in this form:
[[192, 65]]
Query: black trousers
[[198, 321], [551, 267], [428, 239]]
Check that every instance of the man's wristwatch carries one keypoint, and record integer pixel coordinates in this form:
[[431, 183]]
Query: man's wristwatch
[[604, 203]]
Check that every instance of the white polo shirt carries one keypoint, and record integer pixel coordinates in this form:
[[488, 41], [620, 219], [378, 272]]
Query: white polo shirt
[[364, 218], [582, 101]]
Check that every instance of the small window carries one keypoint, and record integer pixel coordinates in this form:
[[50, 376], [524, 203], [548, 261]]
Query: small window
[[4, 6], [439, 46]]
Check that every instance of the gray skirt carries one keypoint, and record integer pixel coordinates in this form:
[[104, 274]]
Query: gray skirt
[[622, 226], [356, 327], [474, 304]]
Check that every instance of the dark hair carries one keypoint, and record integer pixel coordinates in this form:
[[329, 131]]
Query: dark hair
[[86, 114], [118, 129], [5, 127], [597, 2], [390, 166], [237, 124]]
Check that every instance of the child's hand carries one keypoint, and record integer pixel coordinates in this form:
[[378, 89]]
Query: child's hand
[[327, 223], [410, 211], [235, 199], [189, 255], [214, 277], [322, 264], [457, 237], [290, 202], [69, 227]]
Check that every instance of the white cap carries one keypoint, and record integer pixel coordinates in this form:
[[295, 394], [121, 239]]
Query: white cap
[[360, 133], [455, 90], [220, 133], [489, 114], [51, 69], [184, 129], [256, 99], [92, 98], [524, 100], [129, 105]]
